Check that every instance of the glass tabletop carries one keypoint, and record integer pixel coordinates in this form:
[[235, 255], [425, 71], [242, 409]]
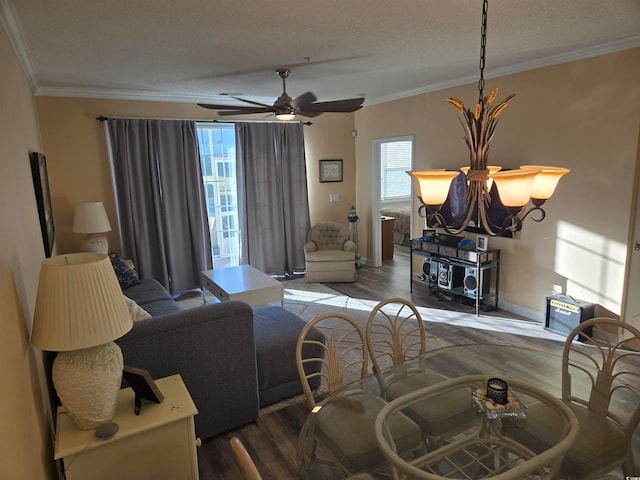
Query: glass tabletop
[[540, 370]]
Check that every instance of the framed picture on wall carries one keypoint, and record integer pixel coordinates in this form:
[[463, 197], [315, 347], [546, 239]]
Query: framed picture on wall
[[43, 199], [330, 171]]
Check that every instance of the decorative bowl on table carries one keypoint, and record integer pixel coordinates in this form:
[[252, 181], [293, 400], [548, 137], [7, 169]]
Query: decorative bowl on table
[[512, 408]]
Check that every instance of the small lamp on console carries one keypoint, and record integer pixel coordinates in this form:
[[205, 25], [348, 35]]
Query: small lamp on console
[[80, 309], [91, 219]]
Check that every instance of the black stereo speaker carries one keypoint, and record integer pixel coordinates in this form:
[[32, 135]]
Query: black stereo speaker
[[450, 276], [430, 270], [472, 282]]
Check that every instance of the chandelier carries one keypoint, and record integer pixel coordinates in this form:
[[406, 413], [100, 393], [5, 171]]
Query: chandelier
[[515, 187]]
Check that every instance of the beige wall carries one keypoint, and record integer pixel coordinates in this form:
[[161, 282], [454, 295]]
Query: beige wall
[[583, 115], [74, 142], [25, 448]]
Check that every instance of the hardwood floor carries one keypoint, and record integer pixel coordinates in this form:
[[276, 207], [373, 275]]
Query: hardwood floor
[[272, 439]]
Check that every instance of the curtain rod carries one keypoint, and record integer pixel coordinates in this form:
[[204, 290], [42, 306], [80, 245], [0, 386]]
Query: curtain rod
[[102, 118]]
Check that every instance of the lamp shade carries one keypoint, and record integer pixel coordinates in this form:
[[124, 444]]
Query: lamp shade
[[514, 186], [91, 217], [434, 185], [79, 303], [546, 180]]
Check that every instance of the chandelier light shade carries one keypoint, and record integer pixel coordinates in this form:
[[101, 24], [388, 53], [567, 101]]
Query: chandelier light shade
[[516, 187], [434, 185], [91, 219], [545, 182], [80, 309]]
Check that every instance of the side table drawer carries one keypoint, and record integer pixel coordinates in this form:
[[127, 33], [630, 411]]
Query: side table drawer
[[160, 453], [159, 443]]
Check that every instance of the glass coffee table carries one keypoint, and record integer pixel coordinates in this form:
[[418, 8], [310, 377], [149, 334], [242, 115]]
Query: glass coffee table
[[244, 283]]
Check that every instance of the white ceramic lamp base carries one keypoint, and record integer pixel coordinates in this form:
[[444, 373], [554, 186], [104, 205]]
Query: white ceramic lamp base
[[96, 243], [87, 382]]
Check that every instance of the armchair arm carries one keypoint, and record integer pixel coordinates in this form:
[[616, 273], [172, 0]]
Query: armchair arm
[[349, 246], [310, 246]]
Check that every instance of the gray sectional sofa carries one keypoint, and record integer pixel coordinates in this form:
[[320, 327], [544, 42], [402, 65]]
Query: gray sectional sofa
[[232, 358]]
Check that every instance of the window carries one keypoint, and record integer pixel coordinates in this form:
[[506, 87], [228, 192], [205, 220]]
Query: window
[[395, 161], [217, 145]]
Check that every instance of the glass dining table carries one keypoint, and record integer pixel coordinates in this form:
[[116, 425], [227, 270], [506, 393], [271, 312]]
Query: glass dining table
[[540, 370]]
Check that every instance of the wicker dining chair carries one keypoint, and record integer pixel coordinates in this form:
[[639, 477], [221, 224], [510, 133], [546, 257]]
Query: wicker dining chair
[[396, 333], [343, 428], [601, 384], [244, 461]]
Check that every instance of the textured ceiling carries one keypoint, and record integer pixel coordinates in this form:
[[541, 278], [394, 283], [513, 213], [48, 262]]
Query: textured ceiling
[[196, 50]]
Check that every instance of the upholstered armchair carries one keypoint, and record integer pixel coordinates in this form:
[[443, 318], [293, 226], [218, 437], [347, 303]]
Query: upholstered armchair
[[330, 256]]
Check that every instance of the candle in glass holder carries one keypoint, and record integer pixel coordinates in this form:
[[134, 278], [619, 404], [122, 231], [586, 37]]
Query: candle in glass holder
[[497, 391]]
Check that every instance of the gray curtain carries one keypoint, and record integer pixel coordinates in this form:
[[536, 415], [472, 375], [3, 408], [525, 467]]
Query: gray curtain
[[272, 164], [160, 199]]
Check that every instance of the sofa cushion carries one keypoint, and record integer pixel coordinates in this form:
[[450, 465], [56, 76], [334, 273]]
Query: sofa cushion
[[147, 291], [276, 333], [127, 275], [162, 307]]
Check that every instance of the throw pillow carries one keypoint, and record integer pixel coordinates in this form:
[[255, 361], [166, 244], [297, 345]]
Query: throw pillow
[[135, 310], [127, 276]]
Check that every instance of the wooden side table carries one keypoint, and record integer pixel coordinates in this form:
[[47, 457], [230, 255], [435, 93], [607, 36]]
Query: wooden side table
[[387, 237], [158, 443]]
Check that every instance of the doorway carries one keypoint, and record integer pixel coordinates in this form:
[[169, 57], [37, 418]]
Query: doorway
[[391, 189], [630, 297]]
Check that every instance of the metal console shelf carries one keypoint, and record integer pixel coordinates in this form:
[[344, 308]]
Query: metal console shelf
[[472, 274]]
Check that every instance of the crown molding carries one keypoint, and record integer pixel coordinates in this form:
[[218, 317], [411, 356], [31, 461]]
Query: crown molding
[[579, 54], [14, 32]]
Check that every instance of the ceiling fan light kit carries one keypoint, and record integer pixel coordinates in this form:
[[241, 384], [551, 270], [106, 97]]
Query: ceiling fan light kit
[[515, 187], [285, 108]]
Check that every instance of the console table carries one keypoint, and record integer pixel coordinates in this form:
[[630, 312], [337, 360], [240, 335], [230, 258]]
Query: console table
[[474, 274], [158, 443]]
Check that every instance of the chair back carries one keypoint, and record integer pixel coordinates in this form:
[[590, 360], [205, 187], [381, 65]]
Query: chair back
[[329, 235], [395, 333], [345, 355], [601, 371], [244, 461]]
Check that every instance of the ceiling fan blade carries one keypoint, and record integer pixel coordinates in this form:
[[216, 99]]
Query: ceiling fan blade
[[236, 109], [252, 102], [341, 106], [306, 113], [303, 100], [213, 106], [244, 111]]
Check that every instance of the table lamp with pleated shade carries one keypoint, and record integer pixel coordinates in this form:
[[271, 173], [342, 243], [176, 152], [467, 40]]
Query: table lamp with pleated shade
[[91, 219], [80, 309]]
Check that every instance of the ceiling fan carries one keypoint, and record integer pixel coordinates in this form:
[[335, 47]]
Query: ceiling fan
[[286, 108]]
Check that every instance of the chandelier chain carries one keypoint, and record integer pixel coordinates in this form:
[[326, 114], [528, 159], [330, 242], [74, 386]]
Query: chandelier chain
[[483, 50]]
